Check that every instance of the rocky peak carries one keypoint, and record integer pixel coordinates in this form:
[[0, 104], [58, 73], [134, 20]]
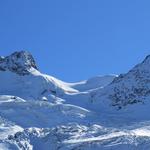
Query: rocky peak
[[146, 60], [19, 62], [133, 86]]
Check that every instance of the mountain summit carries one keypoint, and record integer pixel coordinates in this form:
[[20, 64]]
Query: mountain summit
[[132, 87], [19, 62], [147, 59]]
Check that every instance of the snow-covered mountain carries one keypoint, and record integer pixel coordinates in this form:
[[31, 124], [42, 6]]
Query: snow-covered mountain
[[38, 111], [130, 88]]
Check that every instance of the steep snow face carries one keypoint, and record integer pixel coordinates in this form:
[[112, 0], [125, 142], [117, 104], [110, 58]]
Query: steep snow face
[[34, 86], [19, 62]]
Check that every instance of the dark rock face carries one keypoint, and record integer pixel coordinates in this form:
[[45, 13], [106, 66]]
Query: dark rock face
[[18, 62], [132, 87]]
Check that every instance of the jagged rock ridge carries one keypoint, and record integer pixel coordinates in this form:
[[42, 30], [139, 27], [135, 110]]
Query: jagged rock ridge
[[19, 62], [132, 87]]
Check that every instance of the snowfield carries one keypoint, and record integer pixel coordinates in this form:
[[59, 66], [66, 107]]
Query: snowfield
[[38, 111]]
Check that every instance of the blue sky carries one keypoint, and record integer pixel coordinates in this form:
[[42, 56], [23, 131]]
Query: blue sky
[[77, 39]]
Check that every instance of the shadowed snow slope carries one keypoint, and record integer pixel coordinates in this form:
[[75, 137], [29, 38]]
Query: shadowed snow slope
[[38, 111]]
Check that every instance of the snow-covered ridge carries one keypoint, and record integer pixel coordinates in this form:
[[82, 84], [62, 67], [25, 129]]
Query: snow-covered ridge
[[20, 77], [38, 111], [93, 83], [132, 87]]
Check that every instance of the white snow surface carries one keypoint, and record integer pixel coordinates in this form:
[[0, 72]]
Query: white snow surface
[[38, 111]]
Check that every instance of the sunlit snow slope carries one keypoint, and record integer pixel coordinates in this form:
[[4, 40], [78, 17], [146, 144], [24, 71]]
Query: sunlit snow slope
[[38, 111]]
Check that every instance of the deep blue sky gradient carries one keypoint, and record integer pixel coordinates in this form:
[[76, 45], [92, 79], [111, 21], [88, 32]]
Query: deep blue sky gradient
[[77, 39]]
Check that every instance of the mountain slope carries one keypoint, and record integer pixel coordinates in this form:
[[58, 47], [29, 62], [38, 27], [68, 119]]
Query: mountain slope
[[130, 88], [93, 83], [38, 111]]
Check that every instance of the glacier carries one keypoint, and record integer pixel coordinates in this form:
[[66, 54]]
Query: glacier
[[38, 111]]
